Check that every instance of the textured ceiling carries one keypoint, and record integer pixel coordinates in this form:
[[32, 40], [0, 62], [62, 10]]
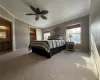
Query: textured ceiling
[[59, 10]]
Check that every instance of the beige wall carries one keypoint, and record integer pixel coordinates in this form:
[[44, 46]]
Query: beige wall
[[22, 36], [84, 21], [95, 32]]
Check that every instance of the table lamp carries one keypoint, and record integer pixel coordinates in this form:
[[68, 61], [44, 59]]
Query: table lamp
[[70, 36]]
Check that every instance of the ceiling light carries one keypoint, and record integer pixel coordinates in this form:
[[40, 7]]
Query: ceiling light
[[3, 27]]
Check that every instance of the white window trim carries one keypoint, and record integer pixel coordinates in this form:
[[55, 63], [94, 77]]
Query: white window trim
[[75, 33]]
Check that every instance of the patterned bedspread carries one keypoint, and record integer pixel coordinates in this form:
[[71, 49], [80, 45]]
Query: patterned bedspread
[[47, 44]]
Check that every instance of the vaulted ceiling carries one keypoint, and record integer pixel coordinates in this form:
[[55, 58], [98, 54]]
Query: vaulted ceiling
[[59, 10]]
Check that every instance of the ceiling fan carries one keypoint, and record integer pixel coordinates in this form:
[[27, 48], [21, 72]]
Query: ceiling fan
[[38, 13]]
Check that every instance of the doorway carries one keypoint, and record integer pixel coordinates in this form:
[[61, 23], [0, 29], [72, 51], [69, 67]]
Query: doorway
[[5, 35], [32, 34]]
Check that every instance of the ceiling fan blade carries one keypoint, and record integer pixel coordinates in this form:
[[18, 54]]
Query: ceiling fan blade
[[30, 14], [37, 17], [43, 17], [34, 9], [38, 10], [44, 12]]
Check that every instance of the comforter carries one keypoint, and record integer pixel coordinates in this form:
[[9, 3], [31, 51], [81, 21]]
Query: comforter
[[47, 44]]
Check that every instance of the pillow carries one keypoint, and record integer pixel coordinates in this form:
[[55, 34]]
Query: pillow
[[55, 37], [50, 38]]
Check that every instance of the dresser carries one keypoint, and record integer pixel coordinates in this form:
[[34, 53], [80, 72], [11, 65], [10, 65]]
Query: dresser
[[5, 46]]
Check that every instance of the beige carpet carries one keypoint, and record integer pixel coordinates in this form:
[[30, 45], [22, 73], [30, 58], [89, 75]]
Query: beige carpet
[[22, 65]]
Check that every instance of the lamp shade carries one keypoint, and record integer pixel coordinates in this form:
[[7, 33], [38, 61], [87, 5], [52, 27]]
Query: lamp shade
[[69, 35]]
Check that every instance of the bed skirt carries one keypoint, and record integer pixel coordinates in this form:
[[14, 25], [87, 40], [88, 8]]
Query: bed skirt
[[43, 52]]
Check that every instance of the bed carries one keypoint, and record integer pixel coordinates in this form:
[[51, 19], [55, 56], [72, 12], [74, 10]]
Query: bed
[[47, 48]]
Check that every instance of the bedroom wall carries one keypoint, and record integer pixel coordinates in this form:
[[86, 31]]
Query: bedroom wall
[[95, 33], [21, 34], [84, 21]]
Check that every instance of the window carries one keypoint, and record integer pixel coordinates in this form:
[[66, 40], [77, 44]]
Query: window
[[46, 35], [74, 35]]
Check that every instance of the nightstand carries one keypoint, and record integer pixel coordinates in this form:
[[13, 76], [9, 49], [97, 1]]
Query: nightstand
[[70, 46]]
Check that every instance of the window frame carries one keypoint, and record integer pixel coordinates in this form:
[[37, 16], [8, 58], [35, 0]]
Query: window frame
[[45, 33], [75, 33]]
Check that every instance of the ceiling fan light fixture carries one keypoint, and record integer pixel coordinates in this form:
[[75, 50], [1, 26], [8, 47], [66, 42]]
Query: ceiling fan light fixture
[[38, 13]]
